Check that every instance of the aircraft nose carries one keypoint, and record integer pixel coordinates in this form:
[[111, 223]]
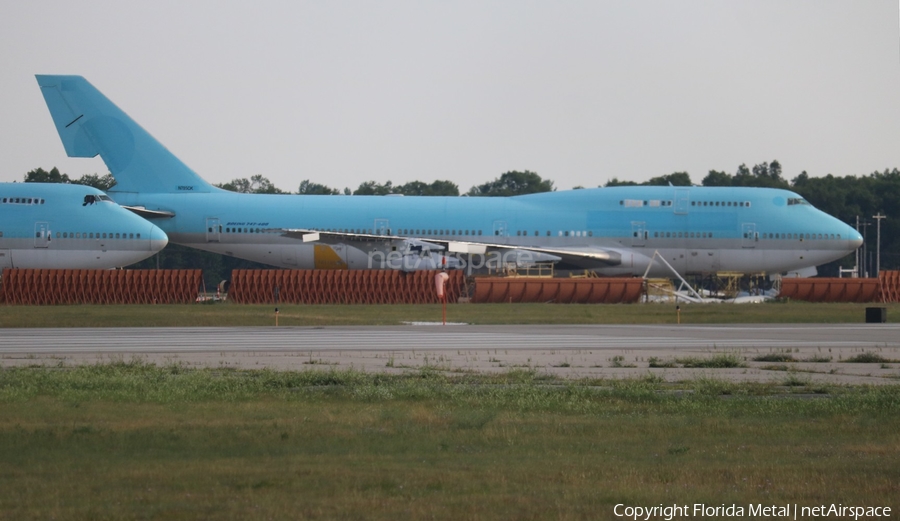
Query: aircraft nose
[[855, 239], [158, 238]]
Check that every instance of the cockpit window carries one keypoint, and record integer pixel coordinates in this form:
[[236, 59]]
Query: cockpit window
[[797, 200], [91, 199]]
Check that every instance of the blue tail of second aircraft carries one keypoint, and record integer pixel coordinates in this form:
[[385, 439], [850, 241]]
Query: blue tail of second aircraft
[[90, 124]]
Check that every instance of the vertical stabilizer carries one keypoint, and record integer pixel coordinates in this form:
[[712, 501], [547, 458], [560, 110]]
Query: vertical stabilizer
[[90, 124]]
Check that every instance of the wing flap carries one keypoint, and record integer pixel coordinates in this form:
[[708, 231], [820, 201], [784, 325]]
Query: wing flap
[[607, 257]]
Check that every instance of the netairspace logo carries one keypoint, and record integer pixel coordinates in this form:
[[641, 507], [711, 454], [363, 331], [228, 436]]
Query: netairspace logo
[[786, 511], [438, 259]]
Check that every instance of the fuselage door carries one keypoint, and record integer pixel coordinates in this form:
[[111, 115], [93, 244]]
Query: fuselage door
[[41, 235], [213, 229], [382, 227], [749, 237], [638, 233], [500, 228], [682, 200]]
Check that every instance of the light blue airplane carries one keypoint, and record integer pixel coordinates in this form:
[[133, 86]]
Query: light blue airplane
[[57, 226], [611, 231]]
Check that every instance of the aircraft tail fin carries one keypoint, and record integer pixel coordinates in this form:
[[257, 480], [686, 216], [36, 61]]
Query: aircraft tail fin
[[89, 124]]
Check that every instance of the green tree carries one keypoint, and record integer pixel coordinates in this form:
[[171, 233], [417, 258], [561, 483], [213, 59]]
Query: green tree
[[39, 175], [309, 188], [716, 178], [513, 183], [674, 179], [373, 188], [616, 182], [101, 183], [446, 188], [241, 186], [257, 184]]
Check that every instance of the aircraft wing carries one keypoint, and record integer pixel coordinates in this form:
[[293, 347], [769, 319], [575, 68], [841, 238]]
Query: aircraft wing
[[538, 253]]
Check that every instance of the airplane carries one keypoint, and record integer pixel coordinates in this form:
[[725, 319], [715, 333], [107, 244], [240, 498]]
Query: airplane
[[613, 231], [61, 226]]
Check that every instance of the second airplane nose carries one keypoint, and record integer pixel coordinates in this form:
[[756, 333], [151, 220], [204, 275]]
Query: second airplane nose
[[855, 239]]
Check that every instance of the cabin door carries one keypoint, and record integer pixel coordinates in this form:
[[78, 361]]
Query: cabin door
[[500, 228], [749, 235], [213, 229], [41, 235], [638, 233], [382, 227], [682, 200]]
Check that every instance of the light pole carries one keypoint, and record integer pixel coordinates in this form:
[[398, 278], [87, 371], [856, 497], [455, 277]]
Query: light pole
[[878, 219]]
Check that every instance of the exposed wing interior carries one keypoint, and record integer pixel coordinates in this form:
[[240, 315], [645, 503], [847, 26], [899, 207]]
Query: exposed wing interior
[[539, 254]]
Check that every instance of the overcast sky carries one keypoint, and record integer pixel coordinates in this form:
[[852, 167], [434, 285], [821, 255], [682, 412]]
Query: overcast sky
[[579, 91]]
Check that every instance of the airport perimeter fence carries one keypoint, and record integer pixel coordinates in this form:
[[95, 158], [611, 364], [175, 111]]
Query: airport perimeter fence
[[43, 287], [47, 287], [558, 290], [341, 287], [885, 289]]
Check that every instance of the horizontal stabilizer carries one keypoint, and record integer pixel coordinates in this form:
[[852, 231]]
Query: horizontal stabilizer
[[149, 214]]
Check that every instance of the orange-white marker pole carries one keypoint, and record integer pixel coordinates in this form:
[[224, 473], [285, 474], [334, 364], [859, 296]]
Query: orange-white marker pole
[[440, 280]]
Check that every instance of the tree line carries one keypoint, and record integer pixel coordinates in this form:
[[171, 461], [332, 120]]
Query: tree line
[[846, 198], [510, 183]]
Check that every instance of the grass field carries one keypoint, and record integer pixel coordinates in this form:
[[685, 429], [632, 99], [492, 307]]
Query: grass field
[[130, 440], [134, 441], [226, 314]]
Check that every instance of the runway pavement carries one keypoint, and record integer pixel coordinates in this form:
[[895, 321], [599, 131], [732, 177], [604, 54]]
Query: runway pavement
[[568, 351]]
